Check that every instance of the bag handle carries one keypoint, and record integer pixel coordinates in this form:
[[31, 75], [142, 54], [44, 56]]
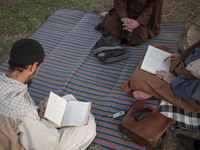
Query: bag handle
[[190, 50]]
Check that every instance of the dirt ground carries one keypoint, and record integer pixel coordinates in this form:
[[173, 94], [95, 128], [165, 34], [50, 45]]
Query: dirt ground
[[173, 11]]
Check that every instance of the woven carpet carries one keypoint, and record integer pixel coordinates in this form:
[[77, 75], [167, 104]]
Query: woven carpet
[[70, 67]]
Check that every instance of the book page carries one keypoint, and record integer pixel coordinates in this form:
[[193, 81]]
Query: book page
[[55, 109], [152, 65], [69, 97], [76, 113], [153, 60]]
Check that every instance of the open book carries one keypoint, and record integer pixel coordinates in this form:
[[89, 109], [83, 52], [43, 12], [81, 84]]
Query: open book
[[153, 60], [66, 111]]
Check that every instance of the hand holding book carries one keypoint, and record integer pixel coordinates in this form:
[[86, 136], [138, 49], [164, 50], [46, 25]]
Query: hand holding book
[[172, 57], [165, 75], [66, 111], [42, 108], [154, 60], [157, 61]]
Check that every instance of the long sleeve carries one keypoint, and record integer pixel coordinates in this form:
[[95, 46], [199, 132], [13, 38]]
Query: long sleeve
[[145, 16], [186, 89], [34, 134], [120, 7]]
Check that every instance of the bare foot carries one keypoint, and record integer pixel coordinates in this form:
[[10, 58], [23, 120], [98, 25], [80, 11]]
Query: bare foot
[[141, 95], [103, 14]]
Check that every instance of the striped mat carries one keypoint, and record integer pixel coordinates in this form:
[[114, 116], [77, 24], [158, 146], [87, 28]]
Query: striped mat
[[70, 67]]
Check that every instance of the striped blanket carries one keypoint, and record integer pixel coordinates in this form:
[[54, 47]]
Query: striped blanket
[[70, 67]]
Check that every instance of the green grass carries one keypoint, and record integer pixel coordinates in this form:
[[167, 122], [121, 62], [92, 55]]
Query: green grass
[[25, 16]]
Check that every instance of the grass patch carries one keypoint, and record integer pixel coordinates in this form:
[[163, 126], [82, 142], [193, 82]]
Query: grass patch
[[25, 16], [5, 45]]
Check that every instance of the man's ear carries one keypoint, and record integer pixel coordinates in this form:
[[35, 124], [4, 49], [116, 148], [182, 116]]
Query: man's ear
[[34, 66]]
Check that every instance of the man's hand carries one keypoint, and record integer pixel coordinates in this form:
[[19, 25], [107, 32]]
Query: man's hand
[[172, 57], [42, 108], [130, 24], [165, 75]]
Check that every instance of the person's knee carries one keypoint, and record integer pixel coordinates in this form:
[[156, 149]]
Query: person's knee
[[139, 36], [135, 42], [136, 82]]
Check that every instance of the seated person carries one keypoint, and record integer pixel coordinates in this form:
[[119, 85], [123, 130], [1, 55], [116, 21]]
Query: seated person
[[20, 124], [132, 21], [178, 87]]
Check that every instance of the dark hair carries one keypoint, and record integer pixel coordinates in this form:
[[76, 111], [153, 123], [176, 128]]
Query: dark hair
[[26, 52], [18, 67]]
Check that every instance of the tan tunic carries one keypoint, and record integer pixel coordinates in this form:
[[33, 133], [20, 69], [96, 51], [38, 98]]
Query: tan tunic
[[151, 84], [9, 139], [146, 12], [37, 134]]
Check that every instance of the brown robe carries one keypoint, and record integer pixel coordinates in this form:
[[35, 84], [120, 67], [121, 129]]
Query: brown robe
[[151, 84], [146, 12]]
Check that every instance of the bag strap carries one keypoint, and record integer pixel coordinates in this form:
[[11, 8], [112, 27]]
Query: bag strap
[[179, 61], [190, 50]]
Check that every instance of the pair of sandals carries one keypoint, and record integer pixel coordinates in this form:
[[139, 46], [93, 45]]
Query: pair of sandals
[[108, 50]]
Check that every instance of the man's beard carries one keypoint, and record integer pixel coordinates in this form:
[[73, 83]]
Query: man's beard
[[30, 78], [29, 83]]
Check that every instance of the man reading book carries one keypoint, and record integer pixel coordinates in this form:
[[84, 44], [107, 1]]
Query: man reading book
[[179, 86], [20, 125]]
